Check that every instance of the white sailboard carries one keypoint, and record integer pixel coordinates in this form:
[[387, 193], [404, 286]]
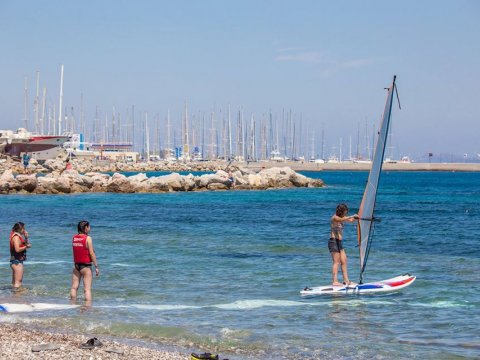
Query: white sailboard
[[21, 308], [366, 220]]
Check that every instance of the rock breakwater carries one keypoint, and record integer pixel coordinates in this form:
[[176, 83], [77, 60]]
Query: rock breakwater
[[71, 181]]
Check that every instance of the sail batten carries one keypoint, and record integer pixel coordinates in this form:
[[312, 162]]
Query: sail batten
[[367, 205]]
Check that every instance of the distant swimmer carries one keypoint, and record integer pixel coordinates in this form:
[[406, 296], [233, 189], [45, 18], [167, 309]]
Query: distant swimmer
[[335, 244], [83, 256], [18, 253]]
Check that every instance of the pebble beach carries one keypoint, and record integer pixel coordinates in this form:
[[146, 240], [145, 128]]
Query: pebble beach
[[22, 343]]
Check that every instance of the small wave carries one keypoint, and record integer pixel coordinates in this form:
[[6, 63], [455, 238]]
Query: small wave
[[442, 304], [441, 342], [124, 265], [48, 262], [166, 307], [255, 304]]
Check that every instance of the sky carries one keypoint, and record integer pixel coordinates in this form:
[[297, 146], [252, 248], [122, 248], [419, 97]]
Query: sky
[[326, 61]]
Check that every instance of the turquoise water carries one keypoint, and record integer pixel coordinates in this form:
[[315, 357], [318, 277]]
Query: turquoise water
[[222, 271]]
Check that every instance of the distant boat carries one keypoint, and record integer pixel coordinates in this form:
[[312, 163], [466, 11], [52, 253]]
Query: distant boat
[[40, 147], [406, 160]]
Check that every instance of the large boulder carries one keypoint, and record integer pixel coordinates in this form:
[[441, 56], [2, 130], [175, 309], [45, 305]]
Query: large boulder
[[217, 186], [139, 182], [119, 183], [7, 181], [175, 181], [100, 181], [256, 181], [189, 182], [26, 182], [205, 180]]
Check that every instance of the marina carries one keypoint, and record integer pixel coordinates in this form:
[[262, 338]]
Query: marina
[[213, 180]]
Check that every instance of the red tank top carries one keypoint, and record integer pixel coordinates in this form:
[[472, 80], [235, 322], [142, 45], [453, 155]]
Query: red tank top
[[80, 252], [22, 255]]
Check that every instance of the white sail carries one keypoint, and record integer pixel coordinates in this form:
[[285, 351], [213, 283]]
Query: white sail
[[367, 205]]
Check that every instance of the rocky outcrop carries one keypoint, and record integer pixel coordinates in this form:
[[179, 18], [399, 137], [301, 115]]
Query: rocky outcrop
[[71, 181]]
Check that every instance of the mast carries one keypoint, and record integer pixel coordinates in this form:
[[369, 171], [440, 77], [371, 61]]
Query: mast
[[186, 150], [358, 142], [367, 206], [44, 105], [350, 150], [25, 103], [340, 151], [229, 135], [212, 136], [323, 141], [147, 139], [169, 143], [36, 105], [61, 103]]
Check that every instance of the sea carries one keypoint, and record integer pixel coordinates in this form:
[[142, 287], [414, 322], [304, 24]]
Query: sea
[[222, 271]]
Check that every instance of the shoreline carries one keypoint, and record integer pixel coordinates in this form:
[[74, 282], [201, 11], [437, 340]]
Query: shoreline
[[18, 340], [349, 166]]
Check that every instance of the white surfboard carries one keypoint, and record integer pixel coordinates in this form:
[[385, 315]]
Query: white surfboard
[[19, 308], [384, 286]]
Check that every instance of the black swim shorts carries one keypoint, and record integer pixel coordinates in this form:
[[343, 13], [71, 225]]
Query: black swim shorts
[[335, 245]]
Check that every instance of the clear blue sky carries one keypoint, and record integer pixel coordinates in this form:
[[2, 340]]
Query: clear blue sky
[[328, 60]]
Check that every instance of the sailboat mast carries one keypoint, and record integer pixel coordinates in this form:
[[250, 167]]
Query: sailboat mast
[[60, 103], [147, 139], [25, 103], [36, 107], [186, 149], [44, 104], [229, 135]]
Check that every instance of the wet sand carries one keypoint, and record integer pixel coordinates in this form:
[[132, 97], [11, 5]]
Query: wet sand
[[17, 342]]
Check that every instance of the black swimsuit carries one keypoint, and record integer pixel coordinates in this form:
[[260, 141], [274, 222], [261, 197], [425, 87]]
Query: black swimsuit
[[335, 244], [80, 266]]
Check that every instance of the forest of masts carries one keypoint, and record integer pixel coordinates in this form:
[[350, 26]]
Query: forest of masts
[[217, 134]]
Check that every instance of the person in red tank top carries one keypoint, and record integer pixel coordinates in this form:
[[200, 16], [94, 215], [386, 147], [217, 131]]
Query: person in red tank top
[[83, 257], [18, 253]]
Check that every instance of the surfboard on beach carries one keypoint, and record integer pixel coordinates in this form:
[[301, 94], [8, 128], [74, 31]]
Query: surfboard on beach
[[367, 220]]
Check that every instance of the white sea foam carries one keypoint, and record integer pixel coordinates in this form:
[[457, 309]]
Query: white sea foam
[[48, 262], [358, 302], [441, 304], [255, 304], [124, 265], [158, 307]]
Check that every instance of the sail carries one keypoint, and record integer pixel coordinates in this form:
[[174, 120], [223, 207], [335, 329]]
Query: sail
[[367, 205]]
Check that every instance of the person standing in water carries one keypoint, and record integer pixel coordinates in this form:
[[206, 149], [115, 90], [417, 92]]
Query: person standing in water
[[83, 257], [18, 253], [335, 244]]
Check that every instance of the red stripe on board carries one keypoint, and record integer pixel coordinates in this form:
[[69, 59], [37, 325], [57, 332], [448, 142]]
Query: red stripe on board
[[401, 282]]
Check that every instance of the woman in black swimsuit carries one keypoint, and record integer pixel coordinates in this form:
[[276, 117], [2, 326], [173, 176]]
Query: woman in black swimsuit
[[335, 244]]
